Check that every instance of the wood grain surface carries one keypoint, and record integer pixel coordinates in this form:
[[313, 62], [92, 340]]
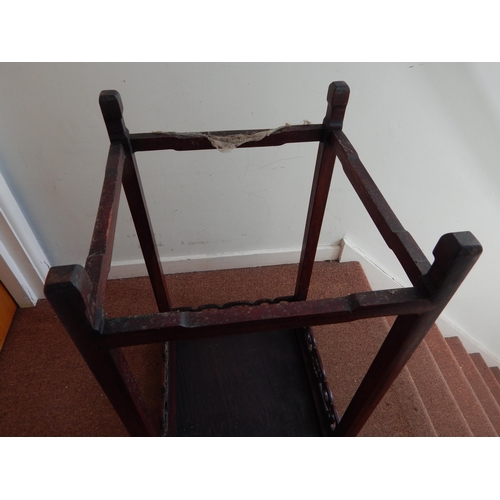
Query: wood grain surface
[[7, 309], [253, 384]]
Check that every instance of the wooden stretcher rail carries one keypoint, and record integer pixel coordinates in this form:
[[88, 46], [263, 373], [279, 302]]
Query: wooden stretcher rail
[[101, 248], [163, 327], [399, 240], [337, 98], [156, 141], [112, 110]]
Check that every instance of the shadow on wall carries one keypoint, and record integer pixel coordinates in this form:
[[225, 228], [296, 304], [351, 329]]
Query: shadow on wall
[[473, 109]]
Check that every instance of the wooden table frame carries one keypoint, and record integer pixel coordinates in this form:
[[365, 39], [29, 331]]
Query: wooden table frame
[[76, 293]]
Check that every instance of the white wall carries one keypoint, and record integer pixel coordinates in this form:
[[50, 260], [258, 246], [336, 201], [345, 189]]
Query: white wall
[[426, 132]]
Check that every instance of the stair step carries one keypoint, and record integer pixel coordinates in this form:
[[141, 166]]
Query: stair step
[[477, 382], [412, 405], [488, 377], [347, 353], [346, 349], [496, 372], [464, 395], [439, 401]]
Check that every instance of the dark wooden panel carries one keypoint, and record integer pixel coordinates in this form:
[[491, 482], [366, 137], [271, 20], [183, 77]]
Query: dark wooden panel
[[244, 385]]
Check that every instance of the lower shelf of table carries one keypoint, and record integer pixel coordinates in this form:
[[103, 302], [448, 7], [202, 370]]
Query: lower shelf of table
[[254, 384]]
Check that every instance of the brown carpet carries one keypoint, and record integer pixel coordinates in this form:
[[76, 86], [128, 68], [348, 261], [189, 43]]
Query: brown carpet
[[46, 388]]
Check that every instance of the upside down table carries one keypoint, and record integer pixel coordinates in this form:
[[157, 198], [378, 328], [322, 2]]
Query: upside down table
[[249, 368]]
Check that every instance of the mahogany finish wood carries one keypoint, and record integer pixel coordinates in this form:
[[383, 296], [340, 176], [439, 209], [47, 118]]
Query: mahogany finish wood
[[156, 141], [112, 111], [186, 325], [68, 289], [76, 293], [98, 260], [395, 235], [455, 254], [338, 95]]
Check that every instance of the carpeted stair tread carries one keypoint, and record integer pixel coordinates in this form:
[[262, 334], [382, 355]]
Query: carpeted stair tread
[[346, 356], [347, 351], [496, 372], [459, 386], [488, 377], [439, 402], [477, 383], [411, 403], [47, 389]]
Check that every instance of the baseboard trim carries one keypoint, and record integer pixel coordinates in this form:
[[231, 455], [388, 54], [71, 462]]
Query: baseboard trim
[[237, 260], [380, 280], [23, 264]]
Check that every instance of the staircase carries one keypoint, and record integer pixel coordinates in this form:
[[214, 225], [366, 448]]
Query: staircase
[[442, 391]]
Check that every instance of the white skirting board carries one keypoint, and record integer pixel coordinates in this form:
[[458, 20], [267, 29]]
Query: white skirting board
[[23, 264], [380, 280], [194, 263]]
